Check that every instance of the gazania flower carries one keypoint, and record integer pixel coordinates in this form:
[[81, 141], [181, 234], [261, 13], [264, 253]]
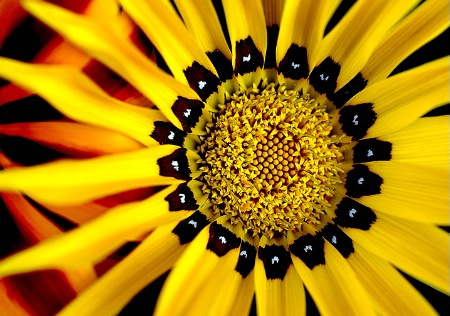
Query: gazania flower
[[268, 161]]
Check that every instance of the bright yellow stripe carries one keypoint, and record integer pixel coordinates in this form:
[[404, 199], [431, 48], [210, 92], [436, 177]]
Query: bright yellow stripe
[[67, 182], [108, 43], [76, 96], [96, 239], [303, 23], [418, 249], [244, 295], [411, 192], [155, 255], [356, 36], [403, 98], [423, 24]]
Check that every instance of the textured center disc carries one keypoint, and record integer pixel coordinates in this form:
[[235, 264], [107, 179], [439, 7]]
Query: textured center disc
[[270, 160]]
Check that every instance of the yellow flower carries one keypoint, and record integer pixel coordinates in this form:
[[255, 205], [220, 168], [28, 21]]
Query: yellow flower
[[293, 160]]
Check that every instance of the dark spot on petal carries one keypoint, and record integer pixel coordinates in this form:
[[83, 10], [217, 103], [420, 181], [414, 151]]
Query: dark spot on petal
[[246, 261], [175, 165], [223, 66], [182, 199], [351, 214], [272, 37], [276, 261], [324, 77], [338, 239], [201, 80], [166, 133], [372, 150], [294, 64], [357, 119], [188, 228], [310, 249], [357, 84], [29, 109], [221, 240], [188, 112], [361, 181], [248, 57]]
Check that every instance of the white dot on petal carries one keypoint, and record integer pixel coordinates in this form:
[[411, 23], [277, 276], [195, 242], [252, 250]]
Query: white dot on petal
[[308, 248], [246, 58], [352, 212], [201, 84], [361, 180], [275, 259], [192, 222], [369, 153], [222, 239]]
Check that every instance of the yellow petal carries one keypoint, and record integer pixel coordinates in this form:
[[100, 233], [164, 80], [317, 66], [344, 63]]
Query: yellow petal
[[86, 245], [411, 192], [418, 249]]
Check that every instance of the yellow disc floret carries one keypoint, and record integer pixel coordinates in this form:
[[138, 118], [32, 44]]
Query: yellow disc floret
[[270, 160]]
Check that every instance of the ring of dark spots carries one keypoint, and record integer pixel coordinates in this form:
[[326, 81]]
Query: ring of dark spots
[[361, 181], [357, 119], [221, 240], [175, 165], [188, 228], [166, 133], [372, 149], [351, 214], [338, 239], [272, 37], [324, 76], [188, 112], [246, 261], [310, 249], [223, 66], [182, 199], [201, 80], [357, 84], [276, 261], [248, 57], [294, 64]]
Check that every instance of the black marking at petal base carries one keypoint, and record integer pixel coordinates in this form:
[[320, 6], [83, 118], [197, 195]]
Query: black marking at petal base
[[166, 133], [351, 214], [223, 66], [248, 57], [372, 149], [276, 261], [338, 239], [272, 37], [221, 240], [357, 84], [310, 249], [324, 76], [361, 181], [188, 228], [357, 119], [201, 80], [182, 199], [175, 165], [294, 64], [246, 261], [188, 112]]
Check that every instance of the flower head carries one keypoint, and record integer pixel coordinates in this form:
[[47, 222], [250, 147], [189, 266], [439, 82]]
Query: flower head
[[244, 146]]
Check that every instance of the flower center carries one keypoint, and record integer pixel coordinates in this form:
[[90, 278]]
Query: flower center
[[270, 160]]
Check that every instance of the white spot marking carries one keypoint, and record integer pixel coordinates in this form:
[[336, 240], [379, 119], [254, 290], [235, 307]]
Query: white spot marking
[[334, 240], [243, 253], [275, 260], [308, 248], [171, 135], [361, 180], [294, 65], [222, 239], [352, 212], [201, 84], [182, 198], [192, 222], [175, 165], [355, 120], [369, 153], [187, 113], [323, 78], [246, 58]]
